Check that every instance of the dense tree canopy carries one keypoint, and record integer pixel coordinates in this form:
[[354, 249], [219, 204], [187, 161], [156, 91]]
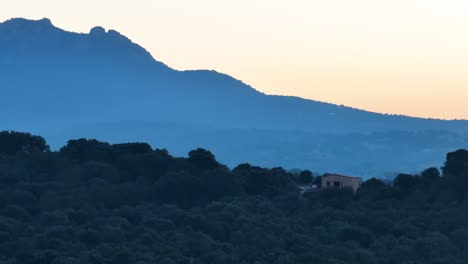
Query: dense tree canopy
[[94, 202], [16, 142]]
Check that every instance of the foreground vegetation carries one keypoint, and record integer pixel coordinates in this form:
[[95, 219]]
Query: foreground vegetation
[[92, 202]]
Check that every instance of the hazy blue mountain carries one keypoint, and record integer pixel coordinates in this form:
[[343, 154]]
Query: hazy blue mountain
[[62, 84]]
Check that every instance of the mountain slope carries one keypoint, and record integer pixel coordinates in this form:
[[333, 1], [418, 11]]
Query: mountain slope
[[54, 82]]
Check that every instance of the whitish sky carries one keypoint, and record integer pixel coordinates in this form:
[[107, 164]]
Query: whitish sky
[[399, 56]]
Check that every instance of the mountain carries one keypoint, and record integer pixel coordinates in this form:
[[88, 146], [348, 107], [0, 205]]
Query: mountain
[[102, 85]]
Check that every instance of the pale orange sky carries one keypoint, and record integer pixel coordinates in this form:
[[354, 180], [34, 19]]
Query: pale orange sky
[[400, 56]]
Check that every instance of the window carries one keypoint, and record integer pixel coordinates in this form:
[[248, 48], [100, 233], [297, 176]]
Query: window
[[328, 184], [337, 184]]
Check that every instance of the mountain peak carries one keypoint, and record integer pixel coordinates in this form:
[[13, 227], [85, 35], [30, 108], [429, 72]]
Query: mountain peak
[[36, 39], [97, 31], [28, 24], [25, 20]]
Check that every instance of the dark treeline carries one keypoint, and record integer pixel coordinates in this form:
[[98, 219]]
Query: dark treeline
[[92, 202]]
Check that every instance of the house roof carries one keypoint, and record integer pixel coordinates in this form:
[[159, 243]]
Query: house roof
[[339, 175]]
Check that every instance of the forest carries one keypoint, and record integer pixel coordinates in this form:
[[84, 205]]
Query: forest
[[93, 202]]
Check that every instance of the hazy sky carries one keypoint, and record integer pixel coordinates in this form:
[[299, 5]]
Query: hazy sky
[[399, 56]]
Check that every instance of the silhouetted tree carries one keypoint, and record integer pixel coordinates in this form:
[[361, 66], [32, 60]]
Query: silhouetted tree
[[372, 189], [178, 187], [456, 164], [306, 177], [87, 150], [17, 142], [431, 174], [203, 159], [404, 181], [131, 148]]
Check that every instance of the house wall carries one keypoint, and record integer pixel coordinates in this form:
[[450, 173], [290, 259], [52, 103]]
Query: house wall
[[346, 182]]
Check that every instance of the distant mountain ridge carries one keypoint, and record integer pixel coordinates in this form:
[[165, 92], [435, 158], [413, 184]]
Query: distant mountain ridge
[[28, 37], [54, 81]]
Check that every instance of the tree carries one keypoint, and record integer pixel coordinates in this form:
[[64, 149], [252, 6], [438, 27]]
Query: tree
[[178, 187], [83, 150], [218, 183], [131, 148], [455, 172], [203, 159], [306, 177], [431, 174], [456, 164], [371, 189], [318, 181], [12, 142], [404, 181]]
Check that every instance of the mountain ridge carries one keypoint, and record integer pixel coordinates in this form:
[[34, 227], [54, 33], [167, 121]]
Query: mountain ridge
[[55, 82], [98, 31]]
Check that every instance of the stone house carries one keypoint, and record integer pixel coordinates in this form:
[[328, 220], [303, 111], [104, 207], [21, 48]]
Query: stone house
[[340, 181]]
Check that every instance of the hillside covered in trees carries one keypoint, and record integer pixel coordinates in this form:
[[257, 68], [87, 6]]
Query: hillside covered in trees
[[92, 202]]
